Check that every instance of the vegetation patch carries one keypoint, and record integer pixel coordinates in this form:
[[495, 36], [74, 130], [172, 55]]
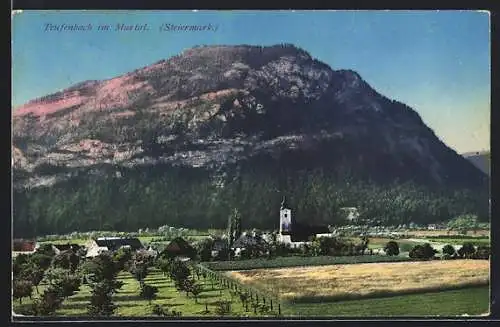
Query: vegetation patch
[[298, 261]]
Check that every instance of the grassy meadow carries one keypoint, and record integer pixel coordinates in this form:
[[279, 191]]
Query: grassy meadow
[[470, 301], [340, 282]]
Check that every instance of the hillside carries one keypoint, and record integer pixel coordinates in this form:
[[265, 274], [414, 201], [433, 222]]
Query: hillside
[[213, 116], [480, 159]]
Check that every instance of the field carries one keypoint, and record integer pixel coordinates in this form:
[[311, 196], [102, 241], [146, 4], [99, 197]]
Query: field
[[460, 241], [471, 301], [298, 261], [130, 304], [340, 282], [424, 233], [378, 242]]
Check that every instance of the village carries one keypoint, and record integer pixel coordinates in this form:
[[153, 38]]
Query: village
[[246, 264]]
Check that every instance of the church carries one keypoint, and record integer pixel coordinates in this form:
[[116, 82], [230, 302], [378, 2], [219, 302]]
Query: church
[[295, 233]]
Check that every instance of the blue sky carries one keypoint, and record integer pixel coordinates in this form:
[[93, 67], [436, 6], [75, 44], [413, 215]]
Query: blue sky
[[437, 62]]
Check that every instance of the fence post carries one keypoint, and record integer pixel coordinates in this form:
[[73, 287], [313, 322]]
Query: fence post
[[279, 308], [271, 303]]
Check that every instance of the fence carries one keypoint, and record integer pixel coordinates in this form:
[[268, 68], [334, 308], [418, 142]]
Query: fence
[[257, 297]]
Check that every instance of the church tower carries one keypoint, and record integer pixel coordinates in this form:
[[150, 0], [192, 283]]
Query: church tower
[[285, 219]]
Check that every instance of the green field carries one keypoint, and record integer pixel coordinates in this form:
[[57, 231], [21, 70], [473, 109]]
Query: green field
[[130, 304], [404, 245], [143, 239], [298, 261], [471, 301]]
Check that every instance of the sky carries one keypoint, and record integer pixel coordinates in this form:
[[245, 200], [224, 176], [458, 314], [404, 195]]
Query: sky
[[437, 62]]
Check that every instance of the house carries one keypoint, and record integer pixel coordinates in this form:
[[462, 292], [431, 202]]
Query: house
[[58, 248], [179, 247], [218, 246], [248, 241], [150, 252], [352, 213], [24, 246], [103, 244]]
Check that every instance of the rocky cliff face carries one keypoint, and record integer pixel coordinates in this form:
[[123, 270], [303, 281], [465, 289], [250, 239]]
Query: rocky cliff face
[[227, 107]]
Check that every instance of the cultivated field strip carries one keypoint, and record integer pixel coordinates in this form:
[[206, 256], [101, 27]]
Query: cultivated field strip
[[338, 282]]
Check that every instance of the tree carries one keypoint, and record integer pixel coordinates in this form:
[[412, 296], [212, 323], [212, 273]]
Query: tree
[[19, 264], [244, 296], [391, 248], [69, 285], [148, 292], [101, 273], [48, 304], [464, 223], [164, 266], [21, 289], [449, 250], [223, 308], [196, 289], [101, 303], [100, 267], [60, 261], [41, 260], [34, 274], [467, 251], [158, 310], [46, 249], [424, 251], [186, 285], [139, 270], [204, 249], [233, 228], [122, 257], [179, 271]]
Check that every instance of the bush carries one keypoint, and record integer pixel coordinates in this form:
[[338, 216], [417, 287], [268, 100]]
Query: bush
[[467, 251], [425, 251], [483, 252], [449, 250], [391, 248]]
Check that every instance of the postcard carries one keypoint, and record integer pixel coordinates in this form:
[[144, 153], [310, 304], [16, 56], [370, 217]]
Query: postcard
[[205, 164]]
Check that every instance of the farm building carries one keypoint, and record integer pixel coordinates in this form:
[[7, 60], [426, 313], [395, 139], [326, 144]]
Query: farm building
[[149, 252], [58, 248], [219, 245], [248, 241], [179, 248], [24, 246], [99, 245]]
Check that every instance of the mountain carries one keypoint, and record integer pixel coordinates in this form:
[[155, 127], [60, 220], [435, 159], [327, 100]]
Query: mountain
[[480, 159], [222, 113]]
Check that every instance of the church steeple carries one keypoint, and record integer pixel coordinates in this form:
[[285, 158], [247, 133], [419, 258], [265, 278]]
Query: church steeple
[[283, 203]]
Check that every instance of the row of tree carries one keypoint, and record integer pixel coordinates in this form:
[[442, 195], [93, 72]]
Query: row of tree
[[426, 251]]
